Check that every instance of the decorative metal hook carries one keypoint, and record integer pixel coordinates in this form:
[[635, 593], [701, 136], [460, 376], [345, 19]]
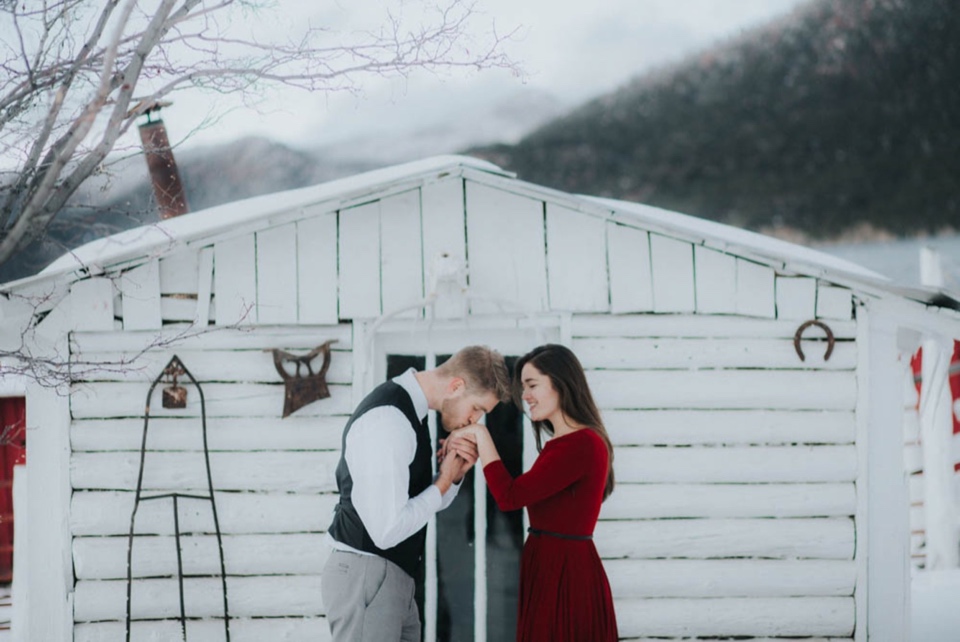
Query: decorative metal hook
[[300, 390], [799, 335]]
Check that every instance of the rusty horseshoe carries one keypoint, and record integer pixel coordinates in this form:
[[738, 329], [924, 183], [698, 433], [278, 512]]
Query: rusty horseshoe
[[799, 335]]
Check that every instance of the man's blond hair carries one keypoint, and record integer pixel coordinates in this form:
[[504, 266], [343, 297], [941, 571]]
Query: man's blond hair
[[482, 369]]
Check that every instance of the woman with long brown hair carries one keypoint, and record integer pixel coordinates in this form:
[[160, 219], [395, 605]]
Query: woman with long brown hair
[[564, 592]]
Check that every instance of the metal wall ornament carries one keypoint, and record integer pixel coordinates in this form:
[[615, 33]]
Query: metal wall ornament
[[799, 334], [300, 389], [170, 373]]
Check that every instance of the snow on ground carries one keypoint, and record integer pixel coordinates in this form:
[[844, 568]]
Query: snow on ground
[[935, 606]]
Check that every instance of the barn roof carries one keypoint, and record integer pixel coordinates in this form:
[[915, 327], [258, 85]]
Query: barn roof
[[159, 239]]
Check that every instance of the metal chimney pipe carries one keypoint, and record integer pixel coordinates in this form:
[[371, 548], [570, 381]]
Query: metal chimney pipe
[[167, 186]]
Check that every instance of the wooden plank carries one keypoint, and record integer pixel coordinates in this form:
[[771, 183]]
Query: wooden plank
[[631, 281], [105, 558], [691, 501], [287, 629], [673, 353], [677, 325], [505, 241], [140, 292], [108, 513], [92, 304], [359, 256], [796, 298], [219, 339], [246, 366], [317, 267], [401, 254], [204, 288], [178, 272], [784, 616], [165, 471], [292, 595], [730, 578], [716, 281], [576, 261], [672, 269], [756, 295], [728, 427], [737, 465], [724, 389], [791, 539], [235, 280], [184, 308], [116, 399], [444, 236], [277, 275], [233, 434], [834, 302]]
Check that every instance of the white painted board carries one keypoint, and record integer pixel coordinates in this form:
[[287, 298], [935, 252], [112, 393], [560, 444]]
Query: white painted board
[[796, 298], [91, 301], [235, 280], [716, 280], [576, 261], [673, 282], [317, 268], [401, 255], [359, 256], [756, 296], [140, 291], [631, 281], [444, 236], [834, 302], [277, 275], [305, 629]]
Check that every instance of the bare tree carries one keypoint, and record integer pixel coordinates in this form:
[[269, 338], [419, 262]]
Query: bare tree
[[76, 74]]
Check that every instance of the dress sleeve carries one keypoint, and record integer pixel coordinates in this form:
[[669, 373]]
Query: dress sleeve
[[557, 467]]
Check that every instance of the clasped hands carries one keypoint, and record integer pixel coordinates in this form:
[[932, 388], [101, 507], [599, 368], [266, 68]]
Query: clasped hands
[[458, 453]]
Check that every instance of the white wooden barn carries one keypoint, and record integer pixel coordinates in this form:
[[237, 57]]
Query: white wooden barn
[[760, 496]]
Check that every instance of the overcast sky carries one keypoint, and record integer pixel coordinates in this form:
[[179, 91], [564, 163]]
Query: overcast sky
[[572, 51]]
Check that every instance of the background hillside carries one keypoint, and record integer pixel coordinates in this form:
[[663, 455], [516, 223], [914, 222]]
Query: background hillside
[[843, 114]]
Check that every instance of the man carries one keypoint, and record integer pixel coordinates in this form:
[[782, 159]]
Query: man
[[388, 492]]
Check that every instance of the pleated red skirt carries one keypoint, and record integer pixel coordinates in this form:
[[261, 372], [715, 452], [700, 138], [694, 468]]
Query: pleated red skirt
[[564, 593]]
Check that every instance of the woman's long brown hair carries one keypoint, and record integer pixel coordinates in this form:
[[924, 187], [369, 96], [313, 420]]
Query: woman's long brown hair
[[576, 401]]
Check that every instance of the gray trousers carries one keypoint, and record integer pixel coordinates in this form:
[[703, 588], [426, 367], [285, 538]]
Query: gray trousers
[[368, 599]]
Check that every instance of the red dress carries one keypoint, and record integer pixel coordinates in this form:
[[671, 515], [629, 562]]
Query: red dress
[[564, 593]]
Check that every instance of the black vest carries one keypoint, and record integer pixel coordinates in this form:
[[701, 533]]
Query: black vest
[[347, 527]]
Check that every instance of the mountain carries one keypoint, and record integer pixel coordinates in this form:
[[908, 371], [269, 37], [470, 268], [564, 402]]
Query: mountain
[[845, 114]]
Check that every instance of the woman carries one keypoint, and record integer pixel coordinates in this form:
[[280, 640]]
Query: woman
[[564, 593]]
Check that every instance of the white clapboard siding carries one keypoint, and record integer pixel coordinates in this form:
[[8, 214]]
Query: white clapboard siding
[[633, 353], [140, 291], [163, 471], [784, 616], [731, 427], [443, 227], [105, 558], [91, 301], [796, 298], [401, 259], [317, 267], [223, 434], [176, 308], [178, 272], [631, 281], [116, 399], [250, 366], [108, 513], [756, 295], [715, 389], [576, 261], [813, 538], [673, 280], [716, 279], [733, 464], [730, 578], [277, 275], [289, 595], [279, 629], [834, 302], [82, 343], [359, 257], [695, 326], [235, 280], [505, 240], [672, 500]]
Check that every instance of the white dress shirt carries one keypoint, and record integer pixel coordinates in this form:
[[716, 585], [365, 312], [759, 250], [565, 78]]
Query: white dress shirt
[[379, 449]]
